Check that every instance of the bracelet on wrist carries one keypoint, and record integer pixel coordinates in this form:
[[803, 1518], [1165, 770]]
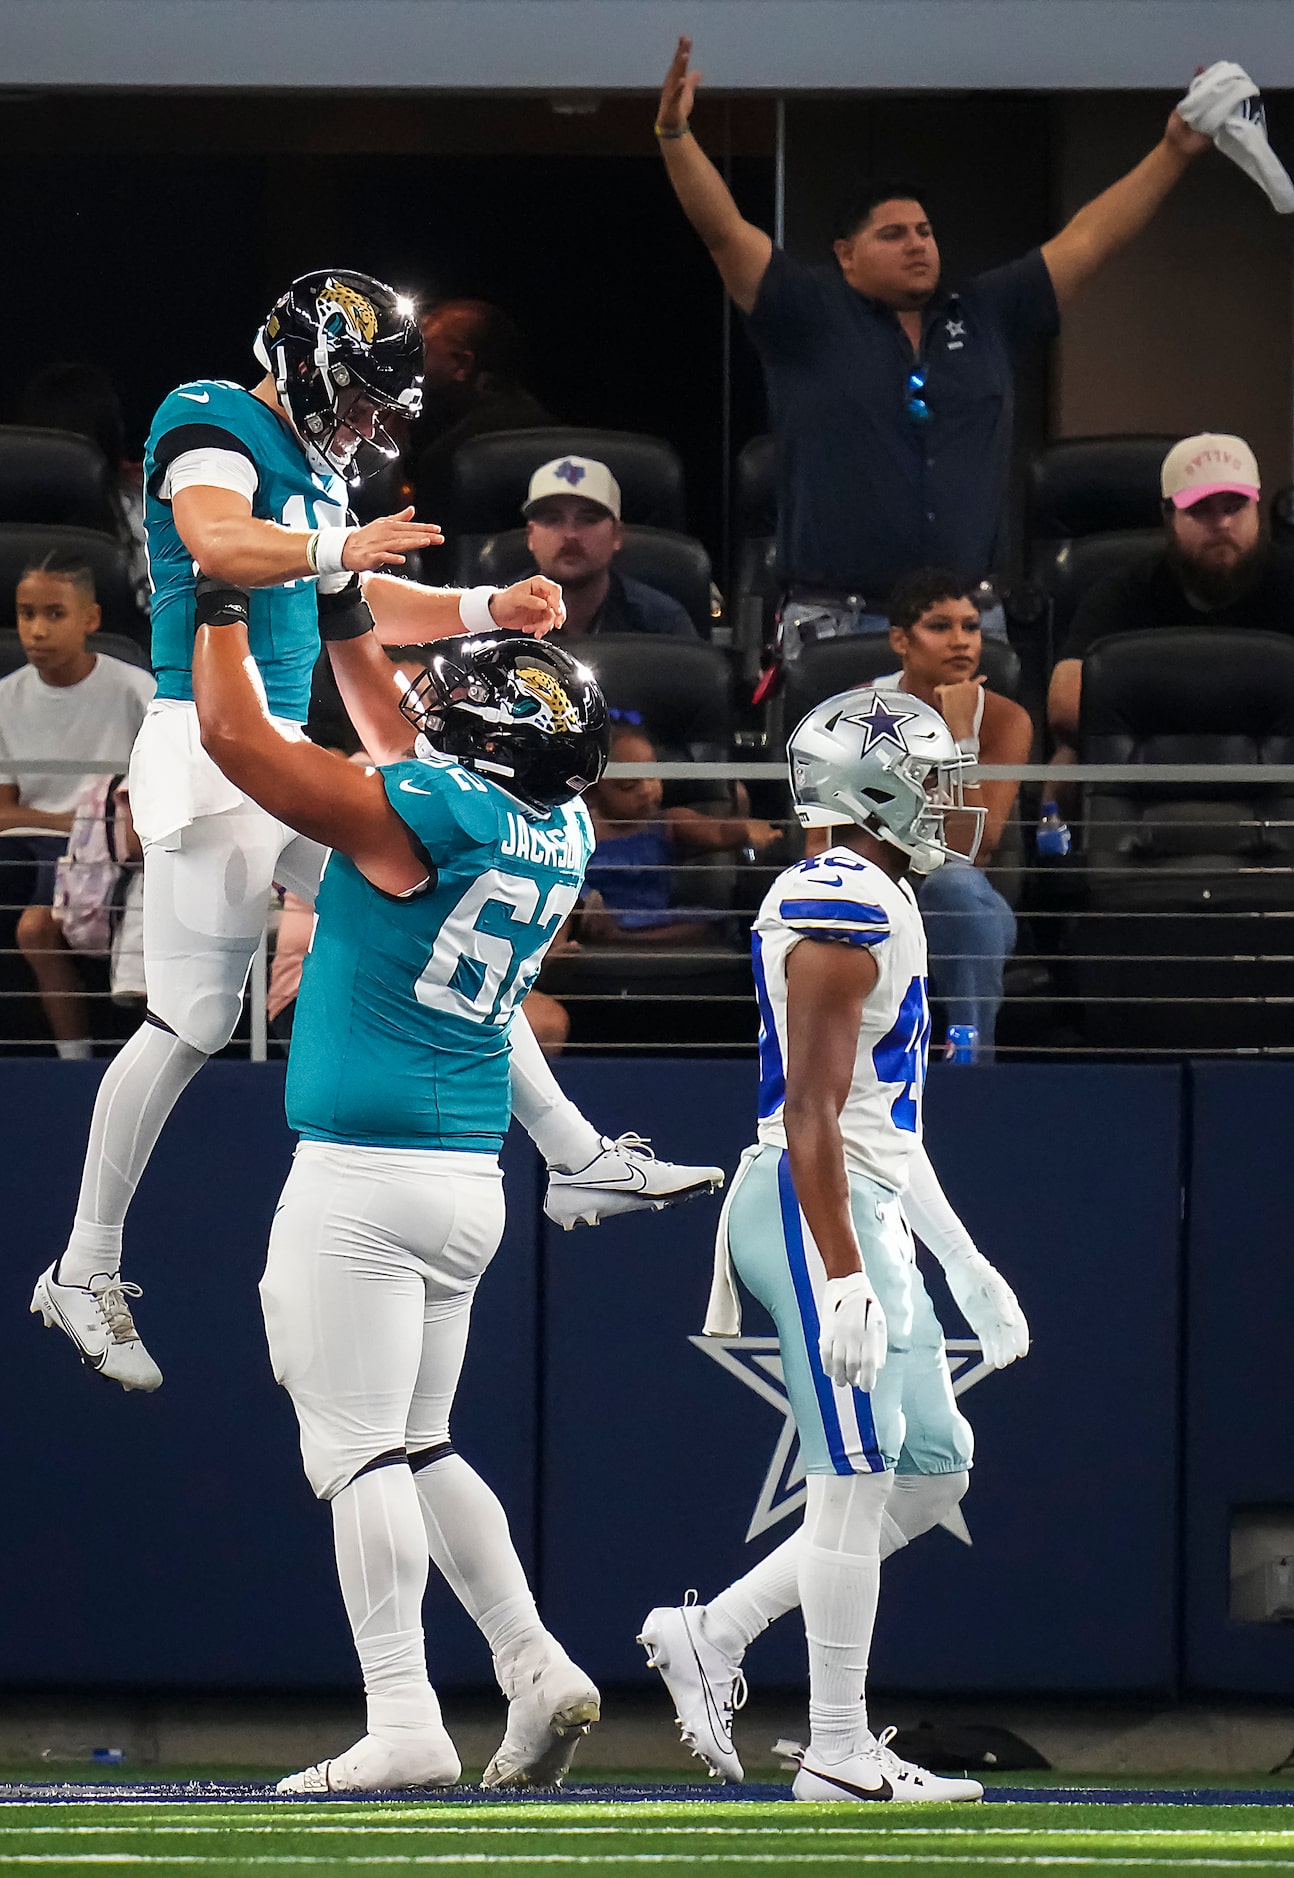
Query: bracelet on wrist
[[672, 136], [312, 551]]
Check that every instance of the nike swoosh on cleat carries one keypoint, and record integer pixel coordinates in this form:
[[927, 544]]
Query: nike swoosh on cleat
[[884, 1792], [198, 397]]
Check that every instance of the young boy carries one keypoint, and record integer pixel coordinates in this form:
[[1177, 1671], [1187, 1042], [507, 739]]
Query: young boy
[[65, 702], [630, 878]]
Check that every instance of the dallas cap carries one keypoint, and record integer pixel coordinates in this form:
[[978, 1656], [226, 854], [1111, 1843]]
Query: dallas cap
[[1208, 465], [574, 476]]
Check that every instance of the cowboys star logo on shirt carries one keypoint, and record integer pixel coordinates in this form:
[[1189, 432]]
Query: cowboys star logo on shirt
[[757, 1362], [881, 725]]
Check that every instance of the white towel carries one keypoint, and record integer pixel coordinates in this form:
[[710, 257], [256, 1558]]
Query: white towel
[[1224, 103]]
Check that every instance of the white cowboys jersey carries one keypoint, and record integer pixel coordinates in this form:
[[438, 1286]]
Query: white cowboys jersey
[[845, 899]]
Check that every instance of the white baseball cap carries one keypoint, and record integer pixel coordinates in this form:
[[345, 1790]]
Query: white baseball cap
[[574, 476], [1208, 465]]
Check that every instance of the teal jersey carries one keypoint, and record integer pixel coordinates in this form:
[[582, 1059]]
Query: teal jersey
[[400, 1036], [284, 622]]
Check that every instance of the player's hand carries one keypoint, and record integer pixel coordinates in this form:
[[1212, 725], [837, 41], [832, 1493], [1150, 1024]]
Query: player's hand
[[957, 705], [529, 606], [852, 1340], [678, 93], [990, 1307], [760, 834], [386, 542]]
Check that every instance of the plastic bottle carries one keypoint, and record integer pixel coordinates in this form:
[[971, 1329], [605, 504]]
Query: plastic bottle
[[963, 1043], [1053, 839]]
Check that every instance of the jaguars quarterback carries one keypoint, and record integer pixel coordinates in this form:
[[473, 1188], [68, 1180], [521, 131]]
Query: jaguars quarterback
[[451, 870], [817, 1228], [250, 487]]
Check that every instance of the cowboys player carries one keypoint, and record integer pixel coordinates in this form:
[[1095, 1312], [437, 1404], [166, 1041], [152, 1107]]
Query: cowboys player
[[450, 873], [251, 487], [817, 1227]]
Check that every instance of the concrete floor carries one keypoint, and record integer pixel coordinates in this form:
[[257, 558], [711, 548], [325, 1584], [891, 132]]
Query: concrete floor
[[637, 1732]]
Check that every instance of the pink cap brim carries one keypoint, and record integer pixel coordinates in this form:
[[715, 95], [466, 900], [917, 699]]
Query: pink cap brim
[[1187, 498]]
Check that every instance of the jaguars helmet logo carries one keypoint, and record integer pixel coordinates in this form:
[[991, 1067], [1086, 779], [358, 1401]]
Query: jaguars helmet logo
[[341, 309], [549, 706]]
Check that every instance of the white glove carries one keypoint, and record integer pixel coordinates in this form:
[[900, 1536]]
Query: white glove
[[852, 1343], [1224, 103], [989, 1306]]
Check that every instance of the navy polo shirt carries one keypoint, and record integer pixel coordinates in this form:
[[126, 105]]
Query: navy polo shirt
[[865, 494]]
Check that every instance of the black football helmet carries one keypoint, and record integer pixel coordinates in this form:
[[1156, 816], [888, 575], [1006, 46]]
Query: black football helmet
[[517, 710], [343, 351]]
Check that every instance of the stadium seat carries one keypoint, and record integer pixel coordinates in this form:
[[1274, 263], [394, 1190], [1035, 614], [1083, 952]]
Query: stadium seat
[[677, 564], [1179, 877], [109, 561], [680, 687], [54, 478], [1104, 488], [114, 645], [491, 474]]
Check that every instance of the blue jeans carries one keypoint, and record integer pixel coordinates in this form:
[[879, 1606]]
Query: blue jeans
[[970, 931]]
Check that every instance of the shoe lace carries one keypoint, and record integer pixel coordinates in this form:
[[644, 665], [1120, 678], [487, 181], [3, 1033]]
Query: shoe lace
[[886, 1759], [115, 1311], [634, 1144]]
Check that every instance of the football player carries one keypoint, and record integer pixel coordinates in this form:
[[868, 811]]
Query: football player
[[817, 1227], [250, 487], [451, 871]]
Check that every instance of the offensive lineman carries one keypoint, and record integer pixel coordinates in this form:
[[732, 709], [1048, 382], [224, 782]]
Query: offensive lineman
[[250, 487], [451, 871], [815, 1226]]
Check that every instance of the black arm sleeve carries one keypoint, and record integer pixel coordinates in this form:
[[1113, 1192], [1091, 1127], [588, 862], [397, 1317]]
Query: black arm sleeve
[[216, 603], [344, 615]]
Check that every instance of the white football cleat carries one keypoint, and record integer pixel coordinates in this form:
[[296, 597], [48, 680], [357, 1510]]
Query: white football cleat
[[876, 1773], [705, 1682], [97, 1319], [377, 1766], [625, 1177], [549, 1710]]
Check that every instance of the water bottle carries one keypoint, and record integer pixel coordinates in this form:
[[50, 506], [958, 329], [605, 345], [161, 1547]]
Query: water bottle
[[963, 1044], [1053, 835]]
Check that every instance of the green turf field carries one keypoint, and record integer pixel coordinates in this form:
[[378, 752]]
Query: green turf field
[[522, 1840]]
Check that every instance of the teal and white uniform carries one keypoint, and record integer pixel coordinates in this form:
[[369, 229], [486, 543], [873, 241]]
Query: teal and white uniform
[[910, 1421]]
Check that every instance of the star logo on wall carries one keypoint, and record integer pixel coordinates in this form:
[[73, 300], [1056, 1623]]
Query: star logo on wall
[[881, 725], [756, 1362]]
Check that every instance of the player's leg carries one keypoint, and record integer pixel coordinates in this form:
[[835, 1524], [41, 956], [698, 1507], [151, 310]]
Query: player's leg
[[551, 1702], [343, 1297], [938, 1444], [590, 1177]]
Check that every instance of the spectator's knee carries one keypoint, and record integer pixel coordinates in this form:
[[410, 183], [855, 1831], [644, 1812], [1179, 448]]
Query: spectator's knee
[[38, 930]]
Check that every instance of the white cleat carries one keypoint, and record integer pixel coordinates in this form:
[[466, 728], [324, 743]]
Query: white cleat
[[376, 1766], [876, 1773], [625, 1177], [548, 1712], [706, 1684], [97, 1319]]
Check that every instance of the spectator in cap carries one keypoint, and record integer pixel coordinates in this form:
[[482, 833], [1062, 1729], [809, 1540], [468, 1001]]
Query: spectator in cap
[[1217, 567], [574, 531]]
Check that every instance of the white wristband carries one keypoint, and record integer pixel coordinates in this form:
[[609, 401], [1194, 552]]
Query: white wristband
[[474, 609], [330, 544]]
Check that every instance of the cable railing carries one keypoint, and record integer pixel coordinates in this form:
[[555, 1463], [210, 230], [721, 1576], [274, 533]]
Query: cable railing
[[1167, 930]]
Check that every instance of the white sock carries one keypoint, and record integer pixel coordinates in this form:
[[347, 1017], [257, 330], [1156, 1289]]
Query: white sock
[[470, 1544], [916, 1503], [139, 1089], [750, 1604], [74, 1049], [382, 1565], [565, 1139], [840, 1577]]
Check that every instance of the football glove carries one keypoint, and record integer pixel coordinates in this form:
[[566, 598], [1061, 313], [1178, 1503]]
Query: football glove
[[852, 1339], [989, 1306]]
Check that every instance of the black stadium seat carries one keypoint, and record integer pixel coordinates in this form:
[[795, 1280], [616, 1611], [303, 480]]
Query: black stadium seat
[[681, 688], [1102, 488], [491, 474], [109, 561], [1178, 876], [54, 478], [677, 564]]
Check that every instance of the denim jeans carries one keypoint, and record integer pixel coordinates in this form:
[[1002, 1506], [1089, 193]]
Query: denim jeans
[[970, 931]]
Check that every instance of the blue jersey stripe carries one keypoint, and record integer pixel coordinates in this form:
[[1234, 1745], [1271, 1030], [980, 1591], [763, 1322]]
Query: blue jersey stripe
[[772, 1075], [841, 935], [798, 1259], [839, 912]]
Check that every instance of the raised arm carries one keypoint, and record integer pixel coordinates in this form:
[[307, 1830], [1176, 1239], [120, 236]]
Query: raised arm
[[229, 543], [405, 613], [741, 251], [1112, 219]]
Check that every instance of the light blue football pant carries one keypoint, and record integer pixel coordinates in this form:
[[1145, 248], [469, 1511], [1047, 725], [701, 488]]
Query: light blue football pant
[[910, 1421]]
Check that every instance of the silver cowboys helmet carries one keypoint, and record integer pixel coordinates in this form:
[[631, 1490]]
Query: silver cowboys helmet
[[888, 763]]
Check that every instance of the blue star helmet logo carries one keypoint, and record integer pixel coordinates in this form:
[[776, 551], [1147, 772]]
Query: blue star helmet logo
[[572, 473], [880, 725]]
